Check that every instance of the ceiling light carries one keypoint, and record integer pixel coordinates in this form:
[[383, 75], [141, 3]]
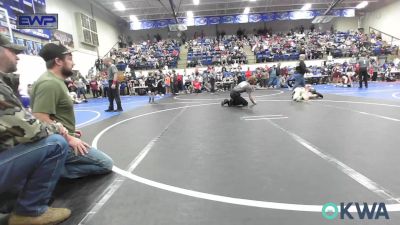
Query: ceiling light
[[252, 0], [189, 14], [119, 6], [306, 6], [196, 2], [246, 10], [133, 18], [362, 5]]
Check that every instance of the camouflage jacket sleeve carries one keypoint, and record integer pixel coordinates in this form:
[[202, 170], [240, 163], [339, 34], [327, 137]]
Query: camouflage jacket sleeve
[[17, 125]]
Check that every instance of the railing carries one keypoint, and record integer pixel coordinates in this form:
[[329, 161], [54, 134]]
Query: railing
[[110, 50], [386, 37]]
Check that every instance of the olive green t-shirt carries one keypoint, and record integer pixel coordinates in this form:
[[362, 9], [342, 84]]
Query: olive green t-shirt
[[50, 95], [111, 70]]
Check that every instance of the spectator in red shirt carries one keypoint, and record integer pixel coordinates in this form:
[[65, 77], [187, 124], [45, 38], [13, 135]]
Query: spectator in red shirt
[[197, 86], [95, 88], [175, 53], [370, 71], [248, 73], [180, 82]]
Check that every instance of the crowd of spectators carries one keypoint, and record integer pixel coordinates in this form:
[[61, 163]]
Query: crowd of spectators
[[225, 58], [224, 50], [316, 45], [222, 78], [148, 55], [267, 47]]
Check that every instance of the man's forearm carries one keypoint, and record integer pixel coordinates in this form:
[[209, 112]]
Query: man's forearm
[[44, 117]]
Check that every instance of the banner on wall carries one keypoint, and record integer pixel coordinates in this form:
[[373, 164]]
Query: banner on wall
[[241, 19], [281, 16], [200, 21], [301, 15], [39, 33], [213, 20], [162, 23], [31, 47], [267, 17], [227, 19], [65, 39], [237, 19], [255, 18], [16, 7]]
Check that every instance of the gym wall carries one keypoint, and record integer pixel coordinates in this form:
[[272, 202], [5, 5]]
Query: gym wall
[[31, 67], [384, 19]]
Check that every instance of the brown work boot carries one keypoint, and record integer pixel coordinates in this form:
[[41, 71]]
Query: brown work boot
[[51, 217]]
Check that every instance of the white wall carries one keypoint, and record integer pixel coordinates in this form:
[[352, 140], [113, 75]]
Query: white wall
[[345, 24], [107, 25], [384, 19], [107, 28], [31, 67], [342, 24]]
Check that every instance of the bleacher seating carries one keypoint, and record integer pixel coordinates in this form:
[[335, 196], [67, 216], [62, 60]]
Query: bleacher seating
[[268, 48], [148, 55], [210, 51], [284, 47]]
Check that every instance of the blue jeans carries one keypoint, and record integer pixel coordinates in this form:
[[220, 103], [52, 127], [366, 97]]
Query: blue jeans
[[33, 169], [273, 81], [80, 91], [290, 81], [299, 81], [93, 163]]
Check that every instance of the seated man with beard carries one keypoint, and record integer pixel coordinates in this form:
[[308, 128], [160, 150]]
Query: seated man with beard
[[51, 103]]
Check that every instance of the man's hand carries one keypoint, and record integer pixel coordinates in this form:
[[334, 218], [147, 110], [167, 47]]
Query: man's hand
[[252, 99], [80, 147], [113, 86]]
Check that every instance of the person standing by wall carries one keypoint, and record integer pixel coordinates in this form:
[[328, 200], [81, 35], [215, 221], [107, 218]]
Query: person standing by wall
[[278, 75], [174, 83], [151, 86], [180, 82], [106, 88], [113, 92], [363, 71], [376, 70], [80, 89], [212, 80], [248, 73], [167, 81], [272, 77], [95, 88]]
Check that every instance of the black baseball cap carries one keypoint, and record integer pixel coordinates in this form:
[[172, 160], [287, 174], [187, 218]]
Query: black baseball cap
[[51, 51], [5, 42]]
